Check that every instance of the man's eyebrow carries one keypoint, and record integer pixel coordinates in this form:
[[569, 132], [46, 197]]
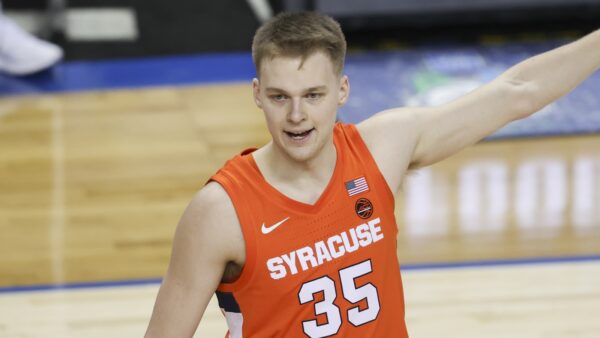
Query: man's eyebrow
[[273, 89], [316, 89], [311, 89]]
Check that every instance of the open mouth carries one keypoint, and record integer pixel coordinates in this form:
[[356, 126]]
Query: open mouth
[[299, 135]]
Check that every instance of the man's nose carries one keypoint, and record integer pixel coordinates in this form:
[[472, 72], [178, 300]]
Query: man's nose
[[296, 113]]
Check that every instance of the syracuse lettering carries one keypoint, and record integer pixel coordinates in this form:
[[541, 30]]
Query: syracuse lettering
[[323, 251]]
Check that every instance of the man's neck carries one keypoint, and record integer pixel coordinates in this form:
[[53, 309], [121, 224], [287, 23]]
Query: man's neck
[[300, 180]]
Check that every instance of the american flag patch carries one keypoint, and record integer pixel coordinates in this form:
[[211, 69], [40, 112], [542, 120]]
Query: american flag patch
[[357, 186]]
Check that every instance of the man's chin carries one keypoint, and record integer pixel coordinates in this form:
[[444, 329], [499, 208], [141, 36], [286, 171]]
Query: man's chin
[[300, 154]]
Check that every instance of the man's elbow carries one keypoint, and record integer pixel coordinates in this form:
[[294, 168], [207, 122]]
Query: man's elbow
[[523, 97]]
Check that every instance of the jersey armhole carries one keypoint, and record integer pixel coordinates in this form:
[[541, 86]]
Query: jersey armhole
[[249, 237], [357, 141]]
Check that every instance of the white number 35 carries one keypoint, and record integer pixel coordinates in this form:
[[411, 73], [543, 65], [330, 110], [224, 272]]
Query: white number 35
[[351, 293]]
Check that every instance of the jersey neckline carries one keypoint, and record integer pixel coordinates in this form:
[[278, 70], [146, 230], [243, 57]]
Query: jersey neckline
[[294, 204]]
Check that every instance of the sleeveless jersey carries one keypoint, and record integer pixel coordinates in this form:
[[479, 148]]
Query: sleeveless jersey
[[327, 269]]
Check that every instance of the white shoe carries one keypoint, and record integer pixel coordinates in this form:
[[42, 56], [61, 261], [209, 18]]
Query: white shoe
[[22, 53]]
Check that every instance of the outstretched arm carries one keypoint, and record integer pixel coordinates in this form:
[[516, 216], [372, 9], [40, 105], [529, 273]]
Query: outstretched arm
[[405, 138]]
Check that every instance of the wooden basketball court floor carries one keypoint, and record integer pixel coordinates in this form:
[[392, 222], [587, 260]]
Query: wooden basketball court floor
[[502, 240]]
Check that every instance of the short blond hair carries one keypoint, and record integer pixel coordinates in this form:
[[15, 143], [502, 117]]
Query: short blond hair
[[299, 35]]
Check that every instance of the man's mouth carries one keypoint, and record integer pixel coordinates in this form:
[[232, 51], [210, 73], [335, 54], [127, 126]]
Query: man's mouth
[[299, 135]]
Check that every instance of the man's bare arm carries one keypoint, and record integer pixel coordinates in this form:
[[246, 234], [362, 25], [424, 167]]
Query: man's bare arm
[[207, 237], [415, 137]]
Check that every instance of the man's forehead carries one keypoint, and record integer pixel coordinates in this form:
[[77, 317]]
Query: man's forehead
[[317, 61]]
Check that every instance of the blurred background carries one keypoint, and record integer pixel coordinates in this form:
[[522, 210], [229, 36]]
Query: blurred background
[[101, 29], [103, 146]]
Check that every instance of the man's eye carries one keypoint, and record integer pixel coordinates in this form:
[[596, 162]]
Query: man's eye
[[278, 97], [314, 96]]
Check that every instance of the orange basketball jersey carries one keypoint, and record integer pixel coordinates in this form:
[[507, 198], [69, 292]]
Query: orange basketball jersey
[[328, 269]]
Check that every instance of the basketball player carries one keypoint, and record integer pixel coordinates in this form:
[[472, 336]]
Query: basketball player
[[298, 238]]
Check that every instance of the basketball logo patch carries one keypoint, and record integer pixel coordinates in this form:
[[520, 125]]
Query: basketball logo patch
[[363, 208]]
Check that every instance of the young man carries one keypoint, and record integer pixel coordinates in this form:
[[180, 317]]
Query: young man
[[298, 237]]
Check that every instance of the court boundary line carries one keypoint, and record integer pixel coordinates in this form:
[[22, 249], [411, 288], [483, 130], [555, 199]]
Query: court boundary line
[[57, 221], [404, 267]]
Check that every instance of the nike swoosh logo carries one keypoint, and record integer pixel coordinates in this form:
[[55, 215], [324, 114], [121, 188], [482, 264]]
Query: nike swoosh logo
[[266, 230]]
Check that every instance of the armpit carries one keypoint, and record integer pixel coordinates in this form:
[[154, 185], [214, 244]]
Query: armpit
[[232, 272]]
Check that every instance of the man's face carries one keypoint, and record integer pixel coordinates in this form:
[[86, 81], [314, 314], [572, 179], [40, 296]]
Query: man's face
[[300, 103]]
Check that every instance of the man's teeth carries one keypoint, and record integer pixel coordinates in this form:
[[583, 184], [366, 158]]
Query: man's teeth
[[302, 134]]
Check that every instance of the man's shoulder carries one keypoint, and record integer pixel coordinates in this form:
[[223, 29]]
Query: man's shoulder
[[212, 202], [384, 118], [209, 232], [390, 126], [211, 195], [391, 137], [212, 191]]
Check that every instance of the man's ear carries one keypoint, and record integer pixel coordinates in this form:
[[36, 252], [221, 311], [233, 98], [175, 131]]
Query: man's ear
[[344, 90], [256, 92]]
